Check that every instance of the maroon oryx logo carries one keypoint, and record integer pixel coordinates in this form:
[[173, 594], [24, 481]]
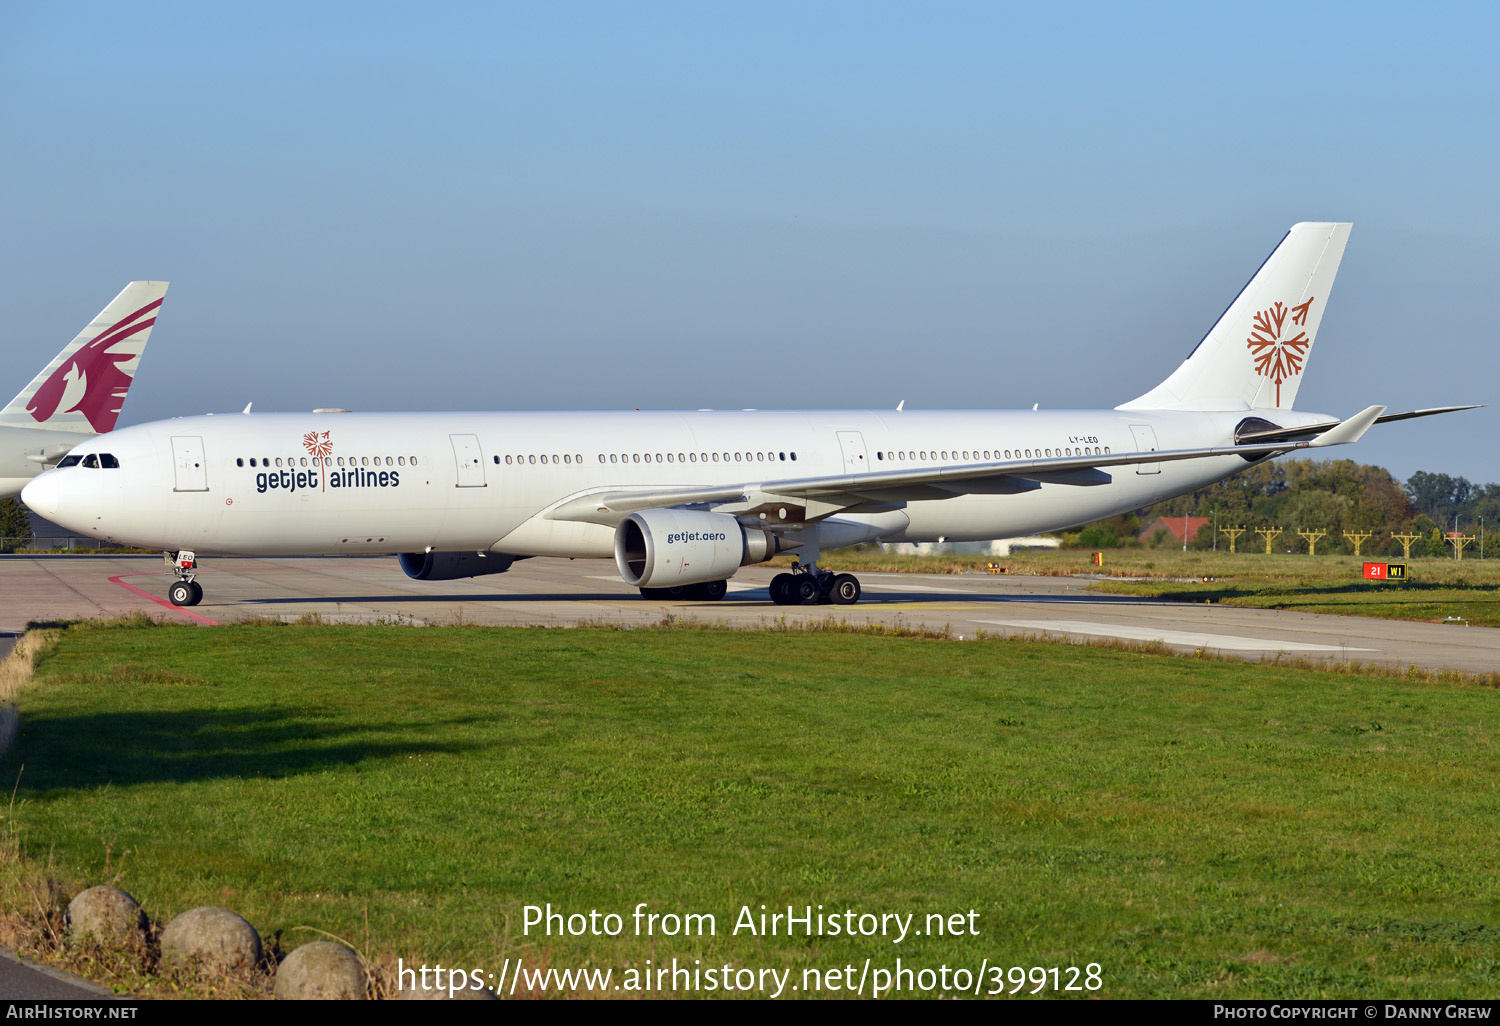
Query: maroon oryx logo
[[1278, 356], [91, 381]]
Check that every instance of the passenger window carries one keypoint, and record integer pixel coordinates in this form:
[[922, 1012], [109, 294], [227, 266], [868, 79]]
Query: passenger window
[[794, 457], [239, 462], [91, 461], [108, 462], [414, 461]]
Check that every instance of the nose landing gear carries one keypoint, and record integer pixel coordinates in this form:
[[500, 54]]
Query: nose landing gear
[[807, 585], [185, 591]]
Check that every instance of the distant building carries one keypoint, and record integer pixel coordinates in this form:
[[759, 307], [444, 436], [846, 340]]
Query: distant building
[[998, 547], [1182, 529]]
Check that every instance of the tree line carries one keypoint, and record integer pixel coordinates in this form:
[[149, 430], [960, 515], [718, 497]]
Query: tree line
[[1338, 496]]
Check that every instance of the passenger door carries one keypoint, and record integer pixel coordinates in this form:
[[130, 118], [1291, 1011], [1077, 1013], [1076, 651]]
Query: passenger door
[[188, 465], [470, 461], [853, 445], [1145, 441]]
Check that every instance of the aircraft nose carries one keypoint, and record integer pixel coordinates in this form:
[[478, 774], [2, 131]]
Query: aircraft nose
[[42, 494]]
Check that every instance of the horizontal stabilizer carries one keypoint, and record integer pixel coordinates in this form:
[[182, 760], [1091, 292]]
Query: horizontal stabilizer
[[1307, 430]]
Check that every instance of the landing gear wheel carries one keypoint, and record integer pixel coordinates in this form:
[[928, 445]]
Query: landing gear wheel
[[653, 593], [803, 591], [181, 593], [710, 591], [197, 593], [782, 586], [845, 590]]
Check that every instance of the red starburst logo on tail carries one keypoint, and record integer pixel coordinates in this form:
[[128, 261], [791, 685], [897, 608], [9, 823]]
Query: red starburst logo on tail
[[319, 446], [91, 381], [1278, 354]]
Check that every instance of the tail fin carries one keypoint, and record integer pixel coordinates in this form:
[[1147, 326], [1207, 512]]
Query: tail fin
[[1254, 355], [84, 386]]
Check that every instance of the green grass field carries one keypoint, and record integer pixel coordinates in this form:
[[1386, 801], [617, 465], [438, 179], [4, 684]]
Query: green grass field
[[1198, 828], [1436, 589]]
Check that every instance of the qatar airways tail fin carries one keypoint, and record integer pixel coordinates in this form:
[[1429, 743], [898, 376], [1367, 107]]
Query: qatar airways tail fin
[[84, 386], [1254, 356]]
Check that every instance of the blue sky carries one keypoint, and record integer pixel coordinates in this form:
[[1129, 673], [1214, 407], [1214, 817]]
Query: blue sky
[[608, 206]]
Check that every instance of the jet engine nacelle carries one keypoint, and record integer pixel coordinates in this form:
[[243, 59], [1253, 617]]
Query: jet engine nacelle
[[664, 548], [451, 566]]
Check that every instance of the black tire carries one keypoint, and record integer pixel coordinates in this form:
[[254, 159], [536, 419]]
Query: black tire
[[197, 593], [710, 591], [845, 591], [654, 593], [804, 590], [781, 589], [181, 594], [682, 591]]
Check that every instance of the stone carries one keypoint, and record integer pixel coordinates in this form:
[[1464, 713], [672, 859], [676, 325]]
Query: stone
[[214, 938], [321, 971], [107, 915]]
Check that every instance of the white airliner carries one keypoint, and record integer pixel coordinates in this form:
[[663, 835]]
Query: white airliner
[[683, 500], [79, 394]]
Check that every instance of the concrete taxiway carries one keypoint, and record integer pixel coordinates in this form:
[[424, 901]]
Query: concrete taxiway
[[566, 593]]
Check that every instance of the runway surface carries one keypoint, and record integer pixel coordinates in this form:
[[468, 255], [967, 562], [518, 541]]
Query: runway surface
[[566, 593]]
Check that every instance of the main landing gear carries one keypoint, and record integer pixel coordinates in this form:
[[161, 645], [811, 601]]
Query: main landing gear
[[708, 591], [807, 585], [185, 591]]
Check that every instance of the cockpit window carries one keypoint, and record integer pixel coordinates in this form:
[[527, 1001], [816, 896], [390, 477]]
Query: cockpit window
[[91, 461], [68, 461], [108, 461]]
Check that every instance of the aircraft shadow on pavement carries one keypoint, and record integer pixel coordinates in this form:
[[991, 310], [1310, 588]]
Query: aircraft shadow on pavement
[[121, 749], [449, 599], [756, 596]]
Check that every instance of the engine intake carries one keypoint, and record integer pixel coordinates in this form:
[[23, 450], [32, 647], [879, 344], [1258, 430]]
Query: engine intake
[[664, 548], [451, 566]]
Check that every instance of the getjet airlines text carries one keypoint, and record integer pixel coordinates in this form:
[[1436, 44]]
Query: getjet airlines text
[[354, 477]]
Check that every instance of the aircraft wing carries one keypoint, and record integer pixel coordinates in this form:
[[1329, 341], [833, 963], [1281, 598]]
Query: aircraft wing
[[806, 499]]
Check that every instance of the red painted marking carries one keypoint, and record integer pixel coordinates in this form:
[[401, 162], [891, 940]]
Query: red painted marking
[[161, 601], [1375, 571]]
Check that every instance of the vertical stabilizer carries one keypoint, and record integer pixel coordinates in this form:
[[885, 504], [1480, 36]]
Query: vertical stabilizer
[[1254, 355], [84, 386]]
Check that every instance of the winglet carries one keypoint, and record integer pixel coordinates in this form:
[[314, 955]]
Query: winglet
[[1351, 429]]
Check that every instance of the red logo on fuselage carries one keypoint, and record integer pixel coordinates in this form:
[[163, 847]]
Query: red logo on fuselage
[[91, 381], [1276, 356], [319, 446]]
